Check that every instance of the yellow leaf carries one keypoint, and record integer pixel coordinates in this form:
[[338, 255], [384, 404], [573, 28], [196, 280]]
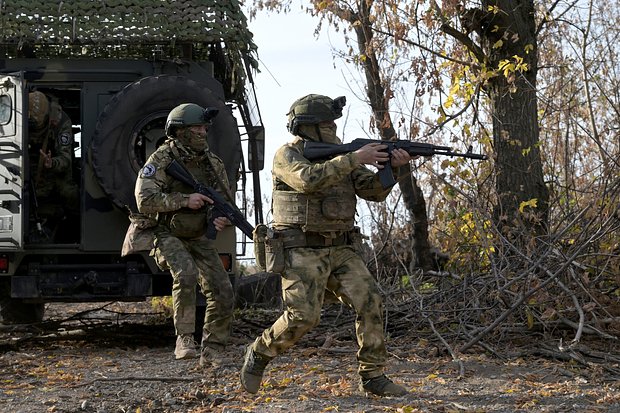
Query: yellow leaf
[[498, 44], [533, 203], [449, 102], [493, 9]]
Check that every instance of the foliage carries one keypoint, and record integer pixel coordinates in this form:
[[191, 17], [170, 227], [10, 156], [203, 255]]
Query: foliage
[[440, 66]]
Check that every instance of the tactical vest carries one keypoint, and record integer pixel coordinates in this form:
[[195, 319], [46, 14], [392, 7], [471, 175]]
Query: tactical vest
[[331, 210], [186, 222]]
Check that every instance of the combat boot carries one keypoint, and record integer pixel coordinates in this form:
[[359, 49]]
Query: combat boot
[[382, 386], [186, 347], [210, 356], [252, 371]]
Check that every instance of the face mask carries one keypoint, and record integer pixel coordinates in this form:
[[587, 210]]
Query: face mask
[[328, 133], [196, 141]]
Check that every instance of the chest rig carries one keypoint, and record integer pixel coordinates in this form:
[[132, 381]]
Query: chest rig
[[330, 210], [186, 222]]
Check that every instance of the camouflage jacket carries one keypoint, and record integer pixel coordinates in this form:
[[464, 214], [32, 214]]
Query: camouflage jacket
[[320, 196], [158, 193], [57, 138]]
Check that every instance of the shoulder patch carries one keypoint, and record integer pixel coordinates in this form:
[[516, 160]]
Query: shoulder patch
[[64, 139], [148, 170]]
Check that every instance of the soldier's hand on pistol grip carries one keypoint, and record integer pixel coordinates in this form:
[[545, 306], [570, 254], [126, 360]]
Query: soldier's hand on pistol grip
[[372, 154]]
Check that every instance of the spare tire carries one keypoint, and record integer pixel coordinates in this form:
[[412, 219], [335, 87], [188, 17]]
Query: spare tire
[[131, 127]]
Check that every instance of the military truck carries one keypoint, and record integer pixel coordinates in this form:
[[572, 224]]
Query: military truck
[[116, 67]]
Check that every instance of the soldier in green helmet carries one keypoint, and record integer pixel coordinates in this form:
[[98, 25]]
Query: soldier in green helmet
[[180, 241], [314, 241]]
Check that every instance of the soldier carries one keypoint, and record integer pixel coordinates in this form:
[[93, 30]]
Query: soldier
[[182, 216], [313, 221], [50, 149]]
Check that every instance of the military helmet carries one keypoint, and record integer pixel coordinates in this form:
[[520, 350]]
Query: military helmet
[[312, 109], [189, 114], [38, 109]]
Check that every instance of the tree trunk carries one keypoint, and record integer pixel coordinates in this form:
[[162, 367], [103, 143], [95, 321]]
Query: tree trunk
[[519, 169], [413, 196]]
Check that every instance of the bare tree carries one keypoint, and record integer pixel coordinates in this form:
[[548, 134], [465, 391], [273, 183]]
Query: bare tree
[[533, 235]]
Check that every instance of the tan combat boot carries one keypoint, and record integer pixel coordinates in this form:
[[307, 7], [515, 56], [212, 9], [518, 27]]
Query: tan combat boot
[[382, 386], [186, 347], [252, 371], [210, 356]]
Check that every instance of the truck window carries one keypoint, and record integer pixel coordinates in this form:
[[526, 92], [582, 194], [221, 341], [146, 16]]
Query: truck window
[[5, 109]]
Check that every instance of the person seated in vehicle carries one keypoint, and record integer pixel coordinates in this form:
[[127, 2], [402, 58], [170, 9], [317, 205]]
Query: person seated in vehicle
[[54, 193]]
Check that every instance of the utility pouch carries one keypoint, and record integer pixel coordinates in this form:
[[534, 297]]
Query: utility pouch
[[338, 207], [140, 235], [188, 224], [260, 237], [274, 255]]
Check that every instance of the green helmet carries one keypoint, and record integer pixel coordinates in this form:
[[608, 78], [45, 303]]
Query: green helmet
[[189, 114], [312, 109]]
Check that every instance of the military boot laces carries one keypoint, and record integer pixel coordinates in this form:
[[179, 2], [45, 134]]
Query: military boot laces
[[185, 348], [382, 386], [252, 371]]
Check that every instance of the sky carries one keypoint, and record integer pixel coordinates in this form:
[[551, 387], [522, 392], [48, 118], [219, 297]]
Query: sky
[[293, 63]]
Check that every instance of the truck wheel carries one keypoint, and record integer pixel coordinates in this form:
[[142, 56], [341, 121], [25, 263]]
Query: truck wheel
[[16, 311], [131, 127]]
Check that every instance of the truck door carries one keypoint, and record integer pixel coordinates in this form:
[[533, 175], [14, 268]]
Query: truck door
[[12, 118]]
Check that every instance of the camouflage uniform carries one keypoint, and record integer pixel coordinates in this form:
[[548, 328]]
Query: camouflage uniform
[[180, 241], [51, 130], [313, 226], [301, 188]]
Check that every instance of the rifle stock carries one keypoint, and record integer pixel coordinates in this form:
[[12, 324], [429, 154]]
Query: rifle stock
[[221, 207], [314, 151]]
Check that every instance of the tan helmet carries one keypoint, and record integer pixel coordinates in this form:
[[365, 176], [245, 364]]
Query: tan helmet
[[38, 109]]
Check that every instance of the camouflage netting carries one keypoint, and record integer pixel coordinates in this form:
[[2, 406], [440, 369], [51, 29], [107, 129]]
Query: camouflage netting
[[124, 28]]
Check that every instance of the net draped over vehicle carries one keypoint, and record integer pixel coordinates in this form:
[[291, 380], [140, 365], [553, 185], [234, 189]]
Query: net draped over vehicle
[[209, 30]]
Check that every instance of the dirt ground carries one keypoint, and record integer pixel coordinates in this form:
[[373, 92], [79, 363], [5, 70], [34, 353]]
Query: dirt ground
[[119, 358]]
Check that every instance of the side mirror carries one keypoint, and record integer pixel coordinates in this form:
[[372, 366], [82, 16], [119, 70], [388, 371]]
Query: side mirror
[[256, 149]]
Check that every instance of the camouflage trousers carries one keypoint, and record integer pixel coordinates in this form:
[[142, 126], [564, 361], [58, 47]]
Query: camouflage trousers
[[191, 262], [308, 274]]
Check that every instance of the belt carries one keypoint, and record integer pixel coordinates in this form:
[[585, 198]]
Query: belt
[[293, 238], [315, 239]]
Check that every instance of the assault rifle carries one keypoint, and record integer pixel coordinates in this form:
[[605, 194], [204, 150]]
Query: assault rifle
[[220, 206], [314, 151]]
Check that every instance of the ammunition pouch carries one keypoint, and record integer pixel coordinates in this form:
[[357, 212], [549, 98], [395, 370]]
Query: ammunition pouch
[[140, 235], [260, 236], [274, 255], [268, 249], [187, 223]]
